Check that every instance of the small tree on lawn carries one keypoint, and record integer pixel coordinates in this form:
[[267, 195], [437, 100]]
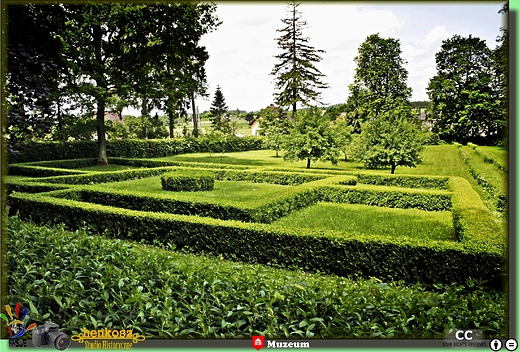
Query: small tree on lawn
[[275, 127], [311, 138], [218, 109], [393, 139]]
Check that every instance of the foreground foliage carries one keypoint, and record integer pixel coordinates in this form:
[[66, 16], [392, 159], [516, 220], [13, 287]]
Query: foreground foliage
[[79, 280]]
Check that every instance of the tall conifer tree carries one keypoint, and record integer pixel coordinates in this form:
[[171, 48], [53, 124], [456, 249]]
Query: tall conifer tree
[[297, 79], [218, 110]]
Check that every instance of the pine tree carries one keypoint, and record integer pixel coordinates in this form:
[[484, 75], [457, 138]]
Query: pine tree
[[297, 79], [218, 109]]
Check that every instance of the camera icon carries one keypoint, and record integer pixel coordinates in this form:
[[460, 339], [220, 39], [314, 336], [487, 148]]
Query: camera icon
[[50, 334]]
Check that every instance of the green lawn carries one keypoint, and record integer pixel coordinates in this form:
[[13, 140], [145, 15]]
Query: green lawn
[[440, 160], [362, 219], [224, 192]]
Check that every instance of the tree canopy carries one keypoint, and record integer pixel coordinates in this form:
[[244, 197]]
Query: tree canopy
[[275, 127], [311, 138], [465, 93], [393, 139], [297, 78], [114, 55], [380, 78]]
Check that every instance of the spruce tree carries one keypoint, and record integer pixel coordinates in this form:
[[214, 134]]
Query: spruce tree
[[297, 79], [218, 109]]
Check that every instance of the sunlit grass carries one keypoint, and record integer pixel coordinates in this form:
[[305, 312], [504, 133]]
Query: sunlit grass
[[362, 219], [225, 192]]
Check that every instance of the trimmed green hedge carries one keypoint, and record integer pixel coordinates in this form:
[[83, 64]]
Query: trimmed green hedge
[[154, 148], [66, 164], [472, 221], [188, 180], [383, 196], [103, 177], [39, 171], [407, 259], [404, 181], [159, 163], [279, 178], [32, 187]]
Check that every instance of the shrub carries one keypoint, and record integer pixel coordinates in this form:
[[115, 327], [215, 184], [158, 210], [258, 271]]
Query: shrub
[[188, 180], [404, 181]]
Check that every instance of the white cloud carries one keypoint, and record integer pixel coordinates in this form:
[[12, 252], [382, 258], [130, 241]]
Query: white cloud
[[436, 36]]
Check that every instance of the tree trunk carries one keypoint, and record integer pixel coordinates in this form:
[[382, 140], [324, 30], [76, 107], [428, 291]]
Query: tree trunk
[[100, 126], [393, 167], [171, 121], [144, 115], [195, 121], [308, 163]]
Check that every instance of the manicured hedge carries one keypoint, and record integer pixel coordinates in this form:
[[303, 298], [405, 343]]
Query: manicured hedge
[[103, 177], [66, 164], [32, 187], [188, 180], [472, 221], [37, 150], [280, 178], [407, 259], [39, 171], [383, 196], [490, 180], [159, 163], [404, 181]]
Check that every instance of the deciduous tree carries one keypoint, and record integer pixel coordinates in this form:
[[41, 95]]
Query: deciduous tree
[[275, 127], [465, 93], [380, 79], [311, 138], [393, 139]]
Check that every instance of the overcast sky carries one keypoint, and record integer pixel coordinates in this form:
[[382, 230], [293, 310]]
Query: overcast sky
[[243, 47]]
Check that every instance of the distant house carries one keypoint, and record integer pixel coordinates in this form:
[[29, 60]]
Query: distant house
[[422, 116], [255, 125], [113, 116], [255, 122]]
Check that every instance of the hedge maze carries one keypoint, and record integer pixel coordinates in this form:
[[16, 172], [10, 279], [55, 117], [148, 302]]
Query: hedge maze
[[57, 192]]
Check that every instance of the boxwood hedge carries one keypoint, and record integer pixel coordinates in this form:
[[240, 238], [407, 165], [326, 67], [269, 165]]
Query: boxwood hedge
[[411, 260], [154, 148], [188, 180]]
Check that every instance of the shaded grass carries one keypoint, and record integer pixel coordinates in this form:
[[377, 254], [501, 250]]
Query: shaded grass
[[224, 192], [362, 219]]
